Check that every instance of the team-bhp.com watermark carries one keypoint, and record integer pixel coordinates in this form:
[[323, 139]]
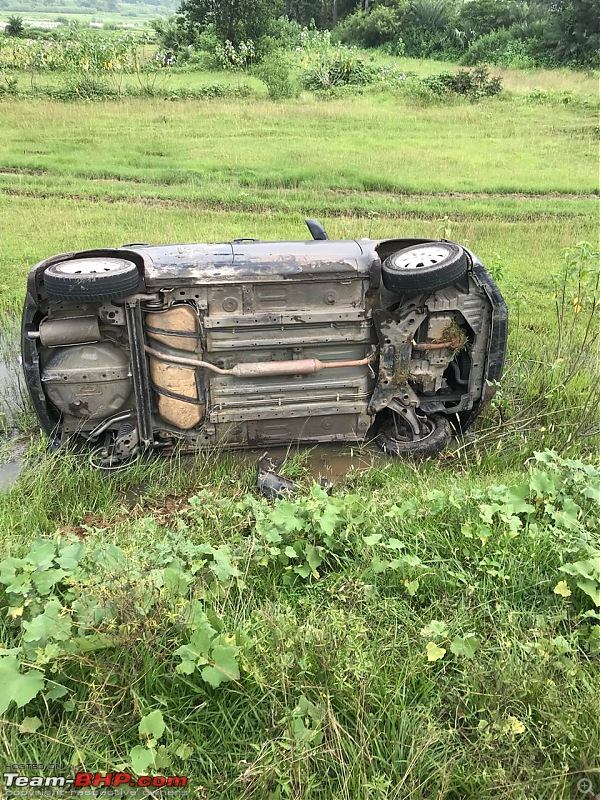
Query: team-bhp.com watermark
[[45, 783]]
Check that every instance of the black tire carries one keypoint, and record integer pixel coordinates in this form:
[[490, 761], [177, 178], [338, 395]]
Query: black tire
[[395, 439], [424, 267], [91, 279]]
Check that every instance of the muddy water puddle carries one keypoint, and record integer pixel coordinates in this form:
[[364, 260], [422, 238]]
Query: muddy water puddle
[[331, 462], [12, 402]]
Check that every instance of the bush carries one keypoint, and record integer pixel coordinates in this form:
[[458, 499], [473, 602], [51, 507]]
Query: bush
[[474, 84], [279, 73], [14, 26], [235, 57], [9, 86], [380, 26], [501, 48], [284, 34], [481, 17], [339, 67], [426, 28], [417, 90]]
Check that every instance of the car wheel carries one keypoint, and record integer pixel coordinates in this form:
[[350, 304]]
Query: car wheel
[[91, 279], [395, 437], [424, 268]]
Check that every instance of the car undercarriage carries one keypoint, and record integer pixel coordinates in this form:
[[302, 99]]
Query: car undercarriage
[[251, 343]]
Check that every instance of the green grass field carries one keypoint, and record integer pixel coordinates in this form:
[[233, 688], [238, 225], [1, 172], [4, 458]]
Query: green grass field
[[430, 645]]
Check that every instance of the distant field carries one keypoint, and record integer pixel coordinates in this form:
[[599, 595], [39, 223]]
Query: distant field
[[363, 164], [128, 13]]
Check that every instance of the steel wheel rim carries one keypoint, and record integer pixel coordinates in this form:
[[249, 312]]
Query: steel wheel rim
[[90, 266], [420, 257]]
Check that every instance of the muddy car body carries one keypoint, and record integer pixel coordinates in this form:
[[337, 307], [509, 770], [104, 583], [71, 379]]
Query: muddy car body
[[251, 343]]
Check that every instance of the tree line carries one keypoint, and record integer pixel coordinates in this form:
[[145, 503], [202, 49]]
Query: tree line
[[521, 33]]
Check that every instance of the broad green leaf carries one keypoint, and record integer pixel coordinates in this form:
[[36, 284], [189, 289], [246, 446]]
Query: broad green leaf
[[8, 569], [41, 554], [542, 483], [304, 570], [285, 516], [152, 724], [594, 640], [546, 456], [587, 568], [290, 552], [70, 555], [592, 491], [318, 493], [44, 581], [20, 584], [225, 666], [30, 725], [162, 758], [93, 642], [435, 628], [184, 751], [561, 644], [176, 580], [197, 649], [55, 691], [313, 557], [374, 538], [328, 519], [141, 759], [49, 625], [186, 667], [223, 567], [196, 615], [395, 544], [592, 589], [434, 653], [18, 687], [517, 497], [465, 646]]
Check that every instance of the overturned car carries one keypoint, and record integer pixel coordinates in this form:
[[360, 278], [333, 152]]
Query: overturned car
[[252, 343]]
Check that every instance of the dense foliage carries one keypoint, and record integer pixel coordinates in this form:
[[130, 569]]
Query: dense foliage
[[273, 622], [507, 32]]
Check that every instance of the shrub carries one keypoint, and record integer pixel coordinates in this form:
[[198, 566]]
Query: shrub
[[380, 26], [417, 90], [236, 57], [474, 84], [14, 27], [279, 73], [426, 28], [339, 67], [9, 86], [481, 17], [502, 48], [284, 34]]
